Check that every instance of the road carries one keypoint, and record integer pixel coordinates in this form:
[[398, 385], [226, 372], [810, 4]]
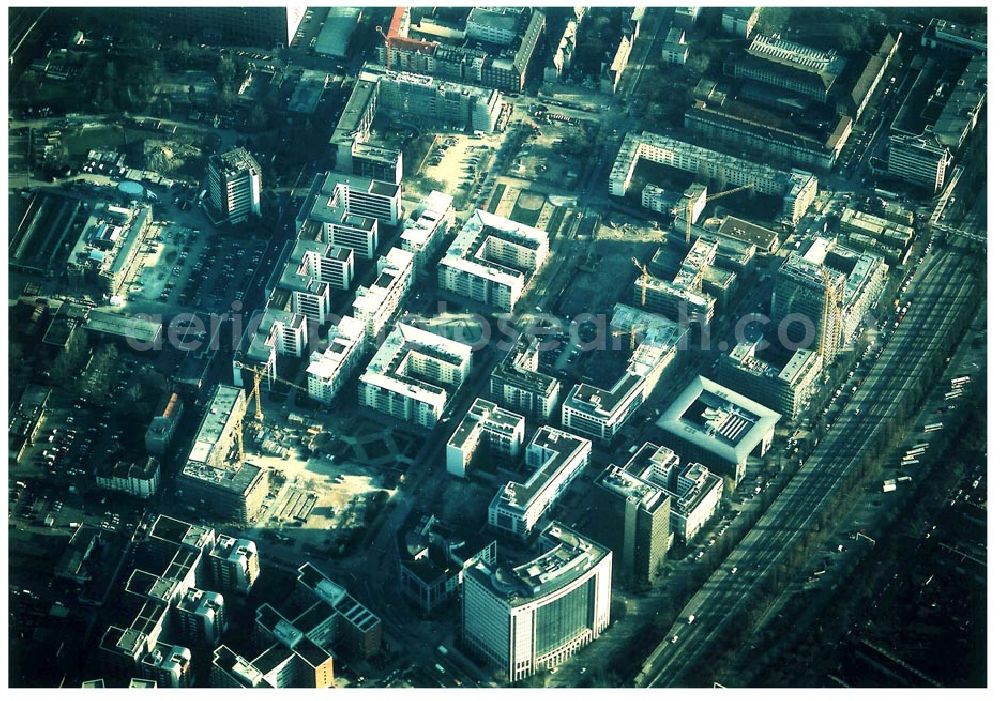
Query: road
[[947, 286]]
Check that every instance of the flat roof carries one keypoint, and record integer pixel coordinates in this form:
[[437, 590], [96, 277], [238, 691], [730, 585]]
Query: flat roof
[[560, 450], [717, 419], [565, 557], [123, 325]]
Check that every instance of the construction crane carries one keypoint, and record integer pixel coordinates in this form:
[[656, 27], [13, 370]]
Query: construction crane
[[258, 416], [689, 213], [644, 279]]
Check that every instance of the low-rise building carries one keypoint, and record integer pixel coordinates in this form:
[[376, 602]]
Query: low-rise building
[[556, 458], [486, 425], [492, 259], [713, 425], [358, 630], [414, 374], [954, 37], [422, 99], [537, 615]]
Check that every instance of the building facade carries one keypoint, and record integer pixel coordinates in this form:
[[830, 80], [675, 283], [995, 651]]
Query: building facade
[[234, 185]]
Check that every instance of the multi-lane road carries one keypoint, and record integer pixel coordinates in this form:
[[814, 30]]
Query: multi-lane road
[[946, 285]]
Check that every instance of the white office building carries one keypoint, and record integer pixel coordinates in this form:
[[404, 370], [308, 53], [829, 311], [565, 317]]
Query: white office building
[[537, 615], [492, 259], [414, 374], [557, 457], [488, 426]]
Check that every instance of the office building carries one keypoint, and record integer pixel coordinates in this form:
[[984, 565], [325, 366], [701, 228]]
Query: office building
[[433, 559], [919, 160], [806, 306], [886, 232], [785, 385], [422, 99], [233, 186], [518, 385], [201, 617], [499, 25], [764, 240], [492, 259], [686, 17], [961, 112], [164, 425], [797, 187], [953, 37], [234, 564], [348, 209], [354, 126], [635, 525], [232, 491], [556, 458], [717, 427], [485, 426], [424, 231], [675, 48], [790, 66], [600, 413], [210, 479], [138, 479], [414, 374], [108, 253], [297, 658], [376, 305], [330, 367], [740, 21], [537, 615]]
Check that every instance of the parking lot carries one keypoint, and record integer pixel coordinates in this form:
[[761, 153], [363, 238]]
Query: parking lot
[[461, 161]]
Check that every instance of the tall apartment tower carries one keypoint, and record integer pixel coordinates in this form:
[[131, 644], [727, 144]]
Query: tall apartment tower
[[234, 185], [806, 306]]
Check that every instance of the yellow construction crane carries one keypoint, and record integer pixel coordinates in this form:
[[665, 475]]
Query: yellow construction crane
[[689, 213], [645, 279], [258, 415]]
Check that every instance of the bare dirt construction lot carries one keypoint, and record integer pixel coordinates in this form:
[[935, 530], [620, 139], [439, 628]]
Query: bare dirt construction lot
[[608, 276]]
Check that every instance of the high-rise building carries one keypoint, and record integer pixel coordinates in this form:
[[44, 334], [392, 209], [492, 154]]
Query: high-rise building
[[330, 367], [784, 386], [537, 615], [422, 99], [376, 305], [234, 185], [231, 671], [806, 306], [263, 27], [920, 160], [635, 524], [201, 617]]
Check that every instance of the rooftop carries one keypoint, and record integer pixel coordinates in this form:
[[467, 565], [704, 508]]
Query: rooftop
[[718, 420], [565, 556], [224, 403], [559, 451], [235, 162]]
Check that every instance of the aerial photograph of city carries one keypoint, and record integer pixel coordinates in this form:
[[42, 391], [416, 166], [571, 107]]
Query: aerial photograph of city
[[482, 347]]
